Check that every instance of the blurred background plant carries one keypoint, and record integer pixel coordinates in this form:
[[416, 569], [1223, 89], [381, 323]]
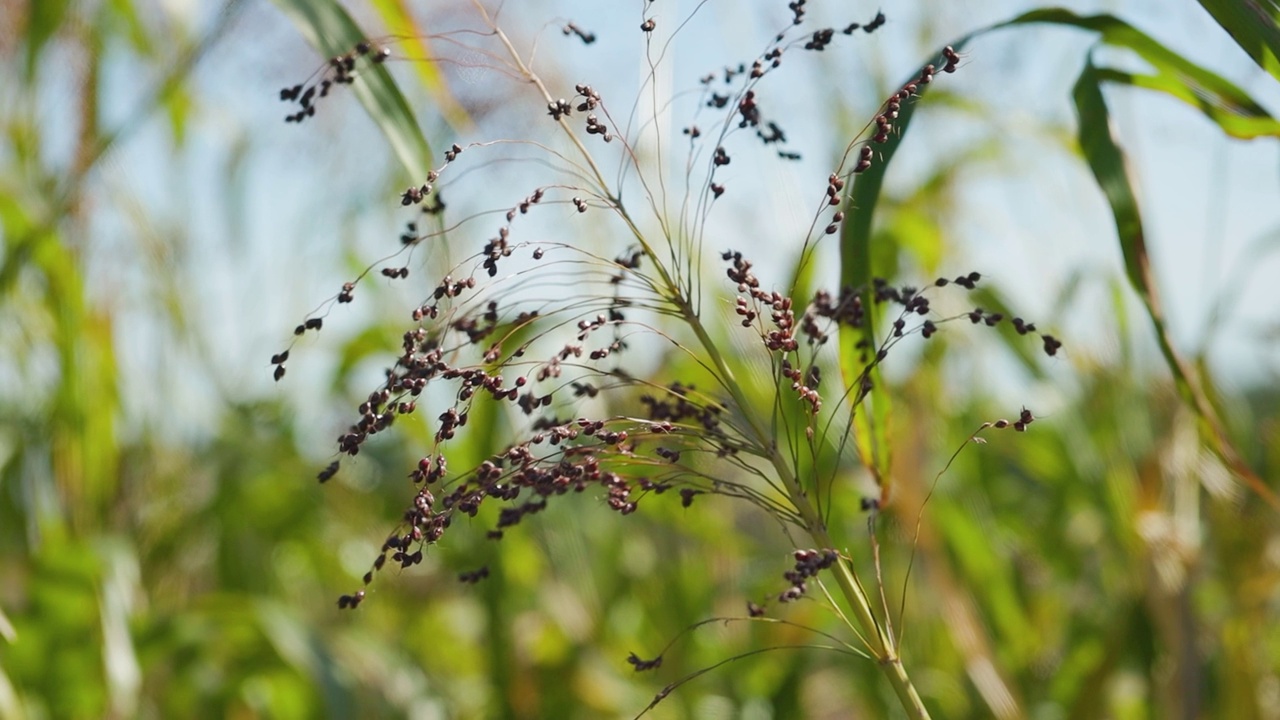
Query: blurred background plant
[[164, 550]]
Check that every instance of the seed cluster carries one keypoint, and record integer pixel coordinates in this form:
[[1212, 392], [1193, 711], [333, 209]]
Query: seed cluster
[[889, 112], [278, 360], [808, 563], [586, 37], [846, 309], [558, 109], [579, 450], [341, 70], [822, 38], [595, 127], [559, 457], [1025, 418], [643, 665], [582, 448], [747, 105], [657, 445]]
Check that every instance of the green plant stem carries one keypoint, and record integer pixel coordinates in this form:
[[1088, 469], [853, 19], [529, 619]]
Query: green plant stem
[[885, 654]]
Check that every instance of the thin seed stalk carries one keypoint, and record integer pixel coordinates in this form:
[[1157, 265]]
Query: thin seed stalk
[[885, 654]]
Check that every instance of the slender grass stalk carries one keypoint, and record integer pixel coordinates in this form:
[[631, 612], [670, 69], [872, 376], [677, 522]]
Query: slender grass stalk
[[885, 654], [879, 643]]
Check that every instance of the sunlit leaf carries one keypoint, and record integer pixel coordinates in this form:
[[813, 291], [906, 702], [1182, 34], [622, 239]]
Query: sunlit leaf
[[1234, 110], [858, 265], [43, 20], [1254, 25], [179, 105], [1235, 124], [1108, 164], [402, 25], [126, 13], [1107, 161]]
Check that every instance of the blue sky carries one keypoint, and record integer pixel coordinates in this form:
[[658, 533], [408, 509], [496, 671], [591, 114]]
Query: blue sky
[[309, 204]]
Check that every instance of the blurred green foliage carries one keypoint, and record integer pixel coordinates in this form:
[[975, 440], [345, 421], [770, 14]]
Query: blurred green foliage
[[1105, 564]]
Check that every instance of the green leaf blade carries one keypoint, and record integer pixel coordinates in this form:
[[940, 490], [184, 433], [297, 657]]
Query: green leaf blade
[[1108, 164], [859, 264], [1222, 101], [1254, 25]]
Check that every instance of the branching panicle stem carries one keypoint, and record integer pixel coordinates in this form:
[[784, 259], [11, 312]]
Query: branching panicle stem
[[879, 641]]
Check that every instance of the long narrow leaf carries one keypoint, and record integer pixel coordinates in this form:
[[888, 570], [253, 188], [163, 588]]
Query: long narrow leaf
[[857, 268], [1234, 124], [401, 24], [1107, 161], [1254, 25], [1234, 110], [331, 30], [42, 23], [1221, 101]]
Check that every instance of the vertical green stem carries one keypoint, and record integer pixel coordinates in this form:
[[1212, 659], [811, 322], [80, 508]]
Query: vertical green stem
[[884, 653]]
